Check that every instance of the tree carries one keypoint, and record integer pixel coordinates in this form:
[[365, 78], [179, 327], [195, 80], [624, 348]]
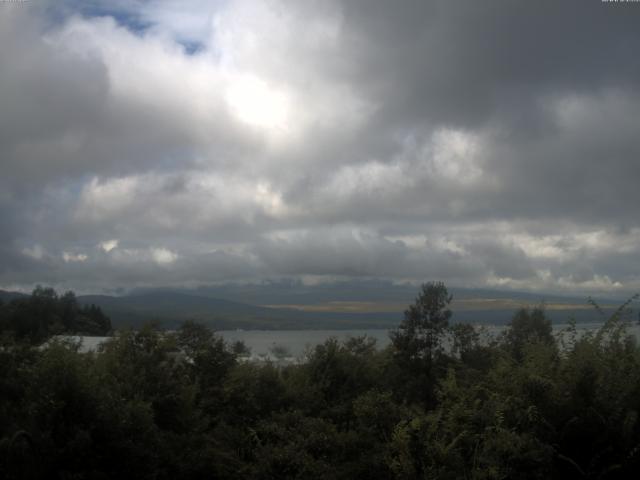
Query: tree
[[420, 334], [526, 328], [418, 341], [209, 362]]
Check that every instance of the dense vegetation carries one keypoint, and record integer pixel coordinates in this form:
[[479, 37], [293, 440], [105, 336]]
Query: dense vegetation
[[44, 313], [439, 402]]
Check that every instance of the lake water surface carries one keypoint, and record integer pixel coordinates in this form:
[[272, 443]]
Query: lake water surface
[[296, 342]]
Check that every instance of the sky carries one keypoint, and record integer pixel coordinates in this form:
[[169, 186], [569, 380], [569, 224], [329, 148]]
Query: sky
[[162, 143]]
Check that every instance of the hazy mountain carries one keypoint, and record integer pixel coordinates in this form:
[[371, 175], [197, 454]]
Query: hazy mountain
[[293, 305], [171, 308], [354, 304], [6, 296], [295, 292]]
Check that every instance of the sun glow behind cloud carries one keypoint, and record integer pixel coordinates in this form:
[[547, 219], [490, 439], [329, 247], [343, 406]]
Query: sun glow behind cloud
[[257, 104]]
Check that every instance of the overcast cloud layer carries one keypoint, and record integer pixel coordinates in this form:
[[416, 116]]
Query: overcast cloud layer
[[184, 143]]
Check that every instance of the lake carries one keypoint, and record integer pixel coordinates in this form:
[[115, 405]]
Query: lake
[[297, 342]]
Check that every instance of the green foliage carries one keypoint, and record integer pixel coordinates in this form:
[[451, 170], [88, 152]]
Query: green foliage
[[420, 335], [439, 402], [253, 392], [528, 326], [418, 344], [44, 313]]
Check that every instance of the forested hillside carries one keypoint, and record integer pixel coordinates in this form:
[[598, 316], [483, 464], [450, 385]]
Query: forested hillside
[[160, 405]]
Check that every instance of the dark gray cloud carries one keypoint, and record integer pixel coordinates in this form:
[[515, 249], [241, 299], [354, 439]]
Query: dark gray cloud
[[482, 143], [462, 62]]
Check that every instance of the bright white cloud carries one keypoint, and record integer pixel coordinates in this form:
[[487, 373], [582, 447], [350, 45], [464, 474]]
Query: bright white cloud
[[109, 245], [163, 256], [74, 257]]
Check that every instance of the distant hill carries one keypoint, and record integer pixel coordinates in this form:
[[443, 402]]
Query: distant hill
[[295, 292], [295, 306], [171, 308], [384, 302], [8, 296]]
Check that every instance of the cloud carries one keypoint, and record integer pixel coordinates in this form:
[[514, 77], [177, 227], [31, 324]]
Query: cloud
[[146, 144], [36, 252], [74, 257], [163, 256], [109, 245]]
